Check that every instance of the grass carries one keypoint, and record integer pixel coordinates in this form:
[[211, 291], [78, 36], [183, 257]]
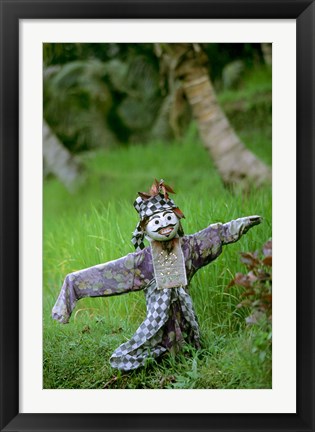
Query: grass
[[249, 110], [95, 224], [255, 82]]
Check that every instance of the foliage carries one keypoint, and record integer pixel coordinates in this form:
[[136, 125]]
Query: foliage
[[99, 95], [95, 103], [221, 54], [249, 110], [257, 284], [77, 102], [257, 299], [232, 73]]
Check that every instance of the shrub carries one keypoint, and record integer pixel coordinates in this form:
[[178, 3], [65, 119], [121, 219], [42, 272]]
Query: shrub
[[257, 284]]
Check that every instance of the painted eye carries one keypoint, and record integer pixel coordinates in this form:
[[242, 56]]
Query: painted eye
[[156, 222]]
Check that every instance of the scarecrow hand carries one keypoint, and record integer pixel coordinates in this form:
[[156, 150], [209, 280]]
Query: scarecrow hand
[[255, 220], [232, 231]]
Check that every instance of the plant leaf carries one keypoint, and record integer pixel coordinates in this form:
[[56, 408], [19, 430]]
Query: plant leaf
[[268, 260], [267, 248], [243, 280], [250, 260]]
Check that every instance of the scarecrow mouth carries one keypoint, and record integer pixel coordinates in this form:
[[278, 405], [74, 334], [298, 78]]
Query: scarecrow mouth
[[166, 230]]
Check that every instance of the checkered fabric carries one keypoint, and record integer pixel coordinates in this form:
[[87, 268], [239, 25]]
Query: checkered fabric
[[137, 238], [146, 342], [157, 203], [147, 208]]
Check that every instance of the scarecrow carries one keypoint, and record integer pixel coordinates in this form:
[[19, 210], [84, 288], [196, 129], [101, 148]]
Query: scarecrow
[[163, 270]]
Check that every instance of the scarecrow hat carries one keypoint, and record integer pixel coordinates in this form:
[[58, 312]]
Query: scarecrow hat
[[150, 203]]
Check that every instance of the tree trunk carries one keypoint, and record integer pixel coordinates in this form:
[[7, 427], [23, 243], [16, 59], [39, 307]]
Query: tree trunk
[[237, 165], [59, 161], [267, 53]]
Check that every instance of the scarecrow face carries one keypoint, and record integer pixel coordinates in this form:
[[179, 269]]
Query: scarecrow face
[[162, 226]]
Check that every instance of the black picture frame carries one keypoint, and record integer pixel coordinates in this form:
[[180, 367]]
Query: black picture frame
[[11, 12]]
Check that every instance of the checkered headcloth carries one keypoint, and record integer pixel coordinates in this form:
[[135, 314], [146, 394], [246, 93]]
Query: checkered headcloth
[[146, 205]]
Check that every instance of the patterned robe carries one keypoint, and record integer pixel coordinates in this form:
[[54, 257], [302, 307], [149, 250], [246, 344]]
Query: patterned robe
[[170, 318]]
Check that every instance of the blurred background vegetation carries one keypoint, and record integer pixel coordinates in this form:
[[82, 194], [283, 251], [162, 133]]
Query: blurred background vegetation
[[116, 116], [99, 95], [102, 96]]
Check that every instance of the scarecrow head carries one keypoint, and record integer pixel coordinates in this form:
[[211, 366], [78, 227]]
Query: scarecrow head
[[159, 216]]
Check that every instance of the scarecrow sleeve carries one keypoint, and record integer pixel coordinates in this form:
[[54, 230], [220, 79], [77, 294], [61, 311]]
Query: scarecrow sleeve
[[232, 231], [206, 245], [130, 273]]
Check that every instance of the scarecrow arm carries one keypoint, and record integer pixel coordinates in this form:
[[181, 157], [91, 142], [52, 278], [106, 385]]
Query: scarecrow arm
[[206, 245], [112, 278], [233, 231]]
